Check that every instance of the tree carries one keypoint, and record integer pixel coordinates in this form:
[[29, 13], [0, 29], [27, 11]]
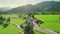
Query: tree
[[39, 22], [1, 20], [5, 25], [28, 29], [8, 20]]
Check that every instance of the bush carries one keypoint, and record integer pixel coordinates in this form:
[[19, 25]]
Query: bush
[[5, 25]]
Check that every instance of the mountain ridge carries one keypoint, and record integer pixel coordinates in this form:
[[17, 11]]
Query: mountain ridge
[[43, 6]]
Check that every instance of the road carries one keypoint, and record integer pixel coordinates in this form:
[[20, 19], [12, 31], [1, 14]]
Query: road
[[46, 31]]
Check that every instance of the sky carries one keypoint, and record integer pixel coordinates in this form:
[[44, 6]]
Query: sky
[[16, 3]]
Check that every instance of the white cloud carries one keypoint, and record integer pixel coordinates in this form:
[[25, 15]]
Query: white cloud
[[15, 3], [2, 5]]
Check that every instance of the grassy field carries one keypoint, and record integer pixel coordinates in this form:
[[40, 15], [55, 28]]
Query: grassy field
[[51, 22]]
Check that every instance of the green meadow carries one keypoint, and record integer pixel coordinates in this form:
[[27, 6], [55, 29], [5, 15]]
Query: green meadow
[[51, 22]]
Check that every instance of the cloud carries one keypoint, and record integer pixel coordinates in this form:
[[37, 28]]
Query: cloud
[[2, 5], [16, 3], [13, 3]]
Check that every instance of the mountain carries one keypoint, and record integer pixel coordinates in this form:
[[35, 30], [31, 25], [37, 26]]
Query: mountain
[[4, 8], [1, 12], [25, 8], [43, 6], [49, 6]]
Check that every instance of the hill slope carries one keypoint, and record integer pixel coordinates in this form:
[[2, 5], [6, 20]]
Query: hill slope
[[44, 6]]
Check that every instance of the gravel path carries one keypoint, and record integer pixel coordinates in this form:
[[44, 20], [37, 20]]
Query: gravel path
[[36, 27]]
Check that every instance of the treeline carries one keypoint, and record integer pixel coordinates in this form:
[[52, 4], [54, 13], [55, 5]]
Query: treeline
[[38, 13], [47, 13]]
